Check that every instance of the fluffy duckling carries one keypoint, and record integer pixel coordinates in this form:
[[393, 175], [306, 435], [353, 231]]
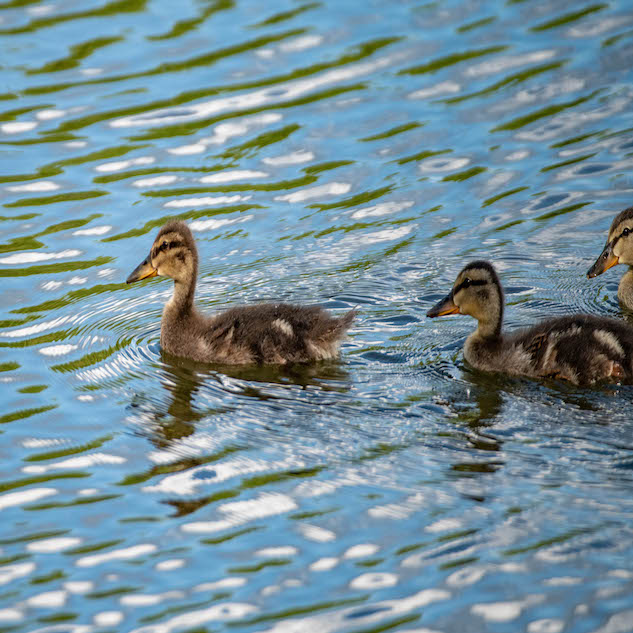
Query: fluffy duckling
[[580, 348], [618, 250], [266, 333]]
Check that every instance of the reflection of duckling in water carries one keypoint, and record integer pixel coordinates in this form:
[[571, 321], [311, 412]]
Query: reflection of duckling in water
[[618, 250], [267, 333], [580, 348]]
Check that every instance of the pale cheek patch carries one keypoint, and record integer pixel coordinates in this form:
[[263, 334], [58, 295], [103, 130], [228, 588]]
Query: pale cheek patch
[[617, 249], [283, 326], [609, 340]]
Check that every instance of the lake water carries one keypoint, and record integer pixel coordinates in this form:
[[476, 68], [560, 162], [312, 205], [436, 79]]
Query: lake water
[[335, 153]]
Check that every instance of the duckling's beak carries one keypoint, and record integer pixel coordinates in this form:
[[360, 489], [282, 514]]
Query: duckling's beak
[[142, 271], [444, 307], [606, 260]]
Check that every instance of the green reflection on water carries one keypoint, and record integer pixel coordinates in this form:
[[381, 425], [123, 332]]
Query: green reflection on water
[[179, 466], [81, 501], [119, 6], [70, 297], [450, 60], [78, 52], [22, 414], [399, 129], [287, 15], [49, 269], [356, 200], [40, 479], [92, 358], [189, 215], [464, 175], [565, 163], [168, 67], [542, 113], [185, 129], [60, 197], [504, 194], [568, 18], [476, 24], [511, 80], [562, 211], [185, 26], [33, 389], [358, 53], [71, 450], [300, 610]]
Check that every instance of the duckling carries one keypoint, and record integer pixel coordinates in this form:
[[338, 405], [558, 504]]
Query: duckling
[[274, 333], [618, 250], [580, 348]]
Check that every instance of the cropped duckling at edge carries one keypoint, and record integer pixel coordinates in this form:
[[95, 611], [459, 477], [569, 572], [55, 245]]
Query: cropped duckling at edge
[[618, 250], [580, 348], [274, 333]]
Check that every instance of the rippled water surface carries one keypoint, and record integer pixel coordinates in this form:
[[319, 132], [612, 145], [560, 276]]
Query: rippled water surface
[[336, 153]]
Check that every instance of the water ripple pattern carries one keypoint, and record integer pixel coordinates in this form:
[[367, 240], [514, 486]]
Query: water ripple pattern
[[348, 154]]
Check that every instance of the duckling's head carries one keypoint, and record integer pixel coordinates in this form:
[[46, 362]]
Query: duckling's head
[[476, 292], [173, 254], [619, 246]]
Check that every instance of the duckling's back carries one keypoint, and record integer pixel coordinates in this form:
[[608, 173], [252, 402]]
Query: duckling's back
[[581, 348], [268, 333]]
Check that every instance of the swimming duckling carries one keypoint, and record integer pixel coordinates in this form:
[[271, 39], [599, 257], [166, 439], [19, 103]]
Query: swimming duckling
[[580, 348], [266, 333], [618, 250]]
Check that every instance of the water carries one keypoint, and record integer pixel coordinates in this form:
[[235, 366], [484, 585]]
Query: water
[[340, 153]]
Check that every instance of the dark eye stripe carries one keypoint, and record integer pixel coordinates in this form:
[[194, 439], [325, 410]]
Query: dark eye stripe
[[470, 282], [165, 246]]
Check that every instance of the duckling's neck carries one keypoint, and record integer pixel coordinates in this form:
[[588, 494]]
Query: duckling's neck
[[184, 291], [625, 289], [489, 329], [482, 346], [489, 325]]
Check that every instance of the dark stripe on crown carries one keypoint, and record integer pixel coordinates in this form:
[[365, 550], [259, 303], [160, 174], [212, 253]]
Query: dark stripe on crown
[[481, 265], [627, 214]]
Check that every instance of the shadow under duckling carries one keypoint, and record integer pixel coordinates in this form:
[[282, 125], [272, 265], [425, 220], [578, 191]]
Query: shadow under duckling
[[275, 333], [581, 348], [618, 250]]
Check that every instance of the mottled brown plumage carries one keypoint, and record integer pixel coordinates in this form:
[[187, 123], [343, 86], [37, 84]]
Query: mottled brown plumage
[[581, 348], [266, 333], [618, 250]]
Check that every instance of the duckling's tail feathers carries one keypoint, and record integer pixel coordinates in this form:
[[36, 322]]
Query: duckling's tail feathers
[[342, 324], [348, 317]]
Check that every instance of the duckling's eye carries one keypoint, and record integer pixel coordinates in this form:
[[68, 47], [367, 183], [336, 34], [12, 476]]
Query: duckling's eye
[[467, 282], [626, 232], [163, 246]]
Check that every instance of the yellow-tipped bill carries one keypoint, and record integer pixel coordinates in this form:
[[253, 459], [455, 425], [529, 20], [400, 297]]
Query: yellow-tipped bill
[[444, 307], [142, 271], [606, 260]]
